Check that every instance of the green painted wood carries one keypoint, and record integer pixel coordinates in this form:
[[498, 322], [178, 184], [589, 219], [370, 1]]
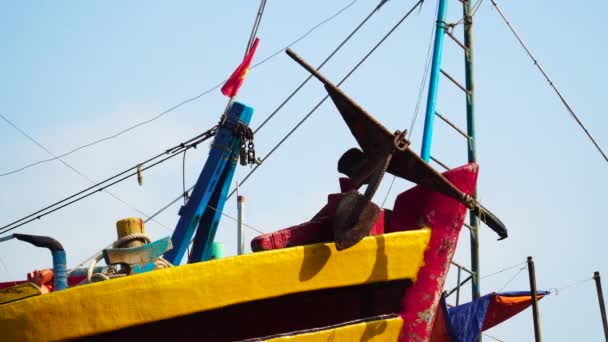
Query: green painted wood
[[138, 255]]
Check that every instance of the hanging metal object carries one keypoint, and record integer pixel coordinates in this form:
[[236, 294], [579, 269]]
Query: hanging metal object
[[250, 153], [140, 176], [243, 154], [247, 151]]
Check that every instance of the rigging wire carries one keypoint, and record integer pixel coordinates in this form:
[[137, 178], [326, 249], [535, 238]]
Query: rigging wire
[[420, 96], [100, 186], [4, 265], [276, 53], [492, 337], [331, 55], [256, 26], [327, 96], [556, 290], [503, 270], [474, 10], [29, 137], [111, 244], [559, 94], [168, 205], [252, 39], [34, 217], [89, 259], [184, 102], [297, 89], [513, 278], [312, 111], [233, 219]]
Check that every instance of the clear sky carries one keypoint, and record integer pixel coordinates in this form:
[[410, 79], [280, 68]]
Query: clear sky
[[73, 72]]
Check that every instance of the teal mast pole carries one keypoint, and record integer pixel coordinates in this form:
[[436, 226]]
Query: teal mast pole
[[433, 82]]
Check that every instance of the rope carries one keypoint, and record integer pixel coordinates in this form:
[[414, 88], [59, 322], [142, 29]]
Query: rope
[[192, 99], [88, 259], [30, 138], [503, 270], [298, 88], [513, 278], [252, 37], [556, 291], [111, 272], [256, 26], [108, 182], [461, 20], [420, 96], [492, 337], [559, 94], [276, 53], [327, 96], [3, 265], [236, 220], [288, 98], [168, 205], [388, 191], [424, 78], [308, 115], [233, 219], [145, 238]]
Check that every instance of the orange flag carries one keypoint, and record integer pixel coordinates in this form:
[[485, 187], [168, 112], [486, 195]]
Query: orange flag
[[231, 87]]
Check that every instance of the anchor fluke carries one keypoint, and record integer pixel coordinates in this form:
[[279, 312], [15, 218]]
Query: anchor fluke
[[491, 220], [348, 228], [379, 145]]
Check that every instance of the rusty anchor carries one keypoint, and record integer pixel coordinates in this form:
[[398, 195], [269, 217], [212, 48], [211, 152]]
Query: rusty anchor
[[381, 152]]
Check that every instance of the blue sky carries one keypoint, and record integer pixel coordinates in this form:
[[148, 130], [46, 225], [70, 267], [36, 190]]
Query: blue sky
[[73, 72]]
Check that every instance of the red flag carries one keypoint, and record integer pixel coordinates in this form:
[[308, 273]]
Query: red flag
[[231, 87]]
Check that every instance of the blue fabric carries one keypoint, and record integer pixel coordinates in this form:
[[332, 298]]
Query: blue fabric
[[449, 329], [467, 319]]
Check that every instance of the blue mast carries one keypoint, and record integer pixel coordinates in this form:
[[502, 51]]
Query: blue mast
[[433, 82], [203, 209]]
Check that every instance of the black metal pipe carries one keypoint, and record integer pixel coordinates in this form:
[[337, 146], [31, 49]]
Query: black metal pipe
[[600, 298], [60, 273], [532, 274], [458, 286]]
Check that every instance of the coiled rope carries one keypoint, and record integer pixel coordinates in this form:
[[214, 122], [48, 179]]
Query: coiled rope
[[111, 272]]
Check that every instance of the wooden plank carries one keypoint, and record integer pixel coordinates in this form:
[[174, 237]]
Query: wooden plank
[[376, 331], [138, 255], [220, 157]]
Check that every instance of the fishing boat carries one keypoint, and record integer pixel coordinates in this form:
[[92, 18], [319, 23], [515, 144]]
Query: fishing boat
[[352, 283], [354, 271], [340, 280]]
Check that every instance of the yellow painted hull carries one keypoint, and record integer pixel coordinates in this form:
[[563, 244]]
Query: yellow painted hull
[[373, 331], [185, 290]]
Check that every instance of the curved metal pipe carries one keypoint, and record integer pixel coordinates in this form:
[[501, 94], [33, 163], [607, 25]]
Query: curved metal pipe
[[60, 274]]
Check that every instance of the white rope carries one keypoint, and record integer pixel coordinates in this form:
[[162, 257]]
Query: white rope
[[111, 272], [503, 270], [556, 291], [513, 278]]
